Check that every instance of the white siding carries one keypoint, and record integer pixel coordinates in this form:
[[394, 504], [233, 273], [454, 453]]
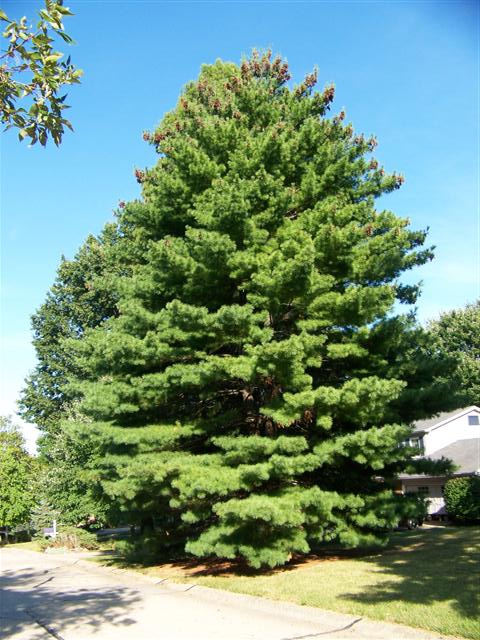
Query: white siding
[[456, 429]]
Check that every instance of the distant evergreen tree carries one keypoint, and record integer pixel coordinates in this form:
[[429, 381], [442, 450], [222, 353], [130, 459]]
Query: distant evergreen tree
[[255, 385]]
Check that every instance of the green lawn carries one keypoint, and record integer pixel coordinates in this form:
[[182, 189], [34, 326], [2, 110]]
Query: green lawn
[[426, 578], [29, 546]]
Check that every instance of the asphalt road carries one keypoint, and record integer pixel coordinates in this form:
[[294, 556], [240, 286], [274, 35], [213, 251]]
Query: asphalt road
[[46, 596]]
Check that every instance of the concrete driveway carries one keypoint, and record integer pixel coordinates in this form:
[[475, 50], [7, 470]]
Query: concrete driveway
[[45, 596]]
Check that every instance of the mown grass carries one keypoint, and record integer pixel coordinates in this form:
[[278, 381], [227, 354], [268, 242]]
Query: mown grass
[[33, 545], [428, 578]]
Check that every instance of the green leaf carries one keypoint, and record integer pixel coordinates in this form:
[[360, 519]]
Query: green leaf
[[66, 37], [65, 11], [53, 57]]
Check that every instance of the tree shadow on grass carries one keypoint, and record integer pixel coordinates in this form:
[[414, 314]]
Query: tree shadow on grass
[[187, 566], [195, 567], [433, 565], [44, 600], [168, 560]]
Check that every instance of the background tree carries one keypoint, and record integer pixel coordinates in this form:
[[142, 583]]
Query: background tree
[[32, 72], [65, 488], [16, 476], [255, 384], [75, 303], [457, 336]]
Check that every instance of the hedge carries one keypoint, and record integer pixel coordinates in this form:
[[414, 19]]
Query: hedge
[[462, 498]]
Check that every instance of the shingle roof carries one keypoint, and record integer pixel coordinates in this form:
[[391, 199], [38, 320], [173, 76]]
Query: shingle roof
[[464, 453], [425, 425]]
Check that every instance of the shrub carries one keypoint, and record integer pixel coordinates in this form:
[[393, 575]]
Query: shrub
[[462, 498], [71, 538], [21, 535], [149, 548], [413, 509]]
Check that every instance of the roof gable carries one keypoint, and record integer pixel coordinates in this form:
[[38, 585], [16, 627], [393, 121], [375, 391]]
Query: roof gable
[[425, 426]]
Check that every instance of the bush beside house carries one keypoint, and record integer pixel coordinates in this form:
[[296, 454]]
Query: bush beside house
[[462, 498]]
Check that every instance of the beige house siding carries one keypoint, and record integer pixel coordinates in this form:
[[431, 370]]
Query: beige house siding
[[432, 488]]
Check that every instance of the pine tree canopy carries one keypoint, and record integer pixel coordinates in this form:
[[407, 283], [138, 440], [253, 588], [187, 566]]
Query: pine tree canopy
[[253, 387]]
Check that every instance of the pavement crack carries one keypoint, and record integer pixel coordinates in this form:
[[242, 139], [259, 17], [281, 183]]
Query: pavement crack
[[44, 625], [324, 633], [43, 582]]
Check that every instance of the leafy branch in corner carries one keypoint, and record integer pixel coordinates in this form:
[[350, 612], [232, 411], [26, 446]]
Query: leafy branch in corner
[[32, 73]]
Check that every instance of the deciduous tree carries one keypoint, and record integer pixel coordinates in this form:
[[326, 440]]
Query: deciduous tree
[[457, 336], [32, 75], [75, 303], [16, 476]]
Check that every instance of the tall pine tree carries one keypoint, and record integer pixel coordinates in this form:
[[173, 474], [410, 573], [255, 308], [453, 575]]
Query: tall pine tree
[[256, 385]]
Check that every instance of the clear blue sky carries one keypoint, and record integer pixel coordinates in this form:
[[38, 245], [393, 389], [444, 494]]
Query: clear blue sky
[[405, 71]]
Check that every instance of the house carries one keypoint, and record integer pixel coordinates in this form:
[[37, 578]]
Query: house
[[454, 435]]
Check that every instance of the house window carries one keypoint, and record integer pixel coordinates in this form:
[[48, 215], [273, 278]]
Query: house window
[[473, 420], [417, 443]]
